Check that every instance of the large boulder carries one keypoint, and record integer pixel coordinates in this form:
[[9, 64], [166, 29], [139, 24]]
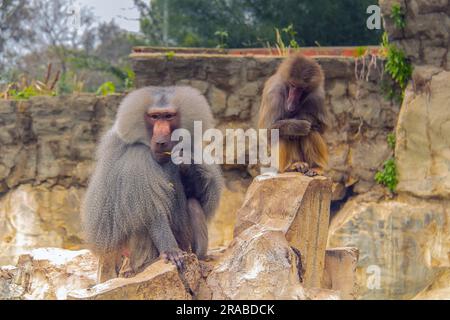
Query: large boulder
[[279, 247], [32, 217], [159, 281], [404, 243], [438, 290], [259, 264], [423, 131], [58, 274], [340, 271], [49, 274], [297, 206]]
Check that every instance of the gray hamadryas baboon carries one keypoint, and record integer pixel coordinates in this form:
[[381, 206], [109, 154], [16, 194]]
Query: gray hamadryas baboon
[[139, 205]]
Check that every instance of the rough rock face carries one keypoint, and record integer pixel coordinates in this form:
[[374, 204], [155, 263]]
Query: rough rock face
[[297, 206], [220, 230], [51, 139], [279, 247], [159, 281], [403, 244], [52, 273], [423, 131], [425, 38], [32, 217], [48, 273], [258, 265], [340, 271], [9, 289], [438, 290]]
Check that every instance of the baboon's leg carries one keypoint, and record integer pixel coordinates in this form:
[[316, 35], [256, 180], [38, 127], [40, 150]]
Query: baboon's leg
[[140, 251], [199, 240], [290, 158]]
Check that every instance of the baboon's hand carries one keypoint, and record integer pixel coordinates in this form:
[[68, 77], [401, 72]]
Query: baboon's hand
[[175, 256], [310, 173], [292, 127], [301, 167]]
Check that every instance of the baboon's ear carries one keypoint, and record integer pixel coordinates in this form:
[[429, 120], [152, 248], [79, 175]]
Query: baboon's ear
[[130, 123]]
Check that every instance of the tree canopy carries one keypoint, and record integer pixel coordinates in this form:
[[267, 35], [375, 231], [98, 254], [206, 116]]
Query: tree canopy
[[251, 23]]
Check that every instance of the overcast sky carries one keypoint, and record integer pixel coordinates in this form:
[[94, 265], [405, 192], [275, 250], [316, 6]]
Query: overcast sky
[[114, 9]]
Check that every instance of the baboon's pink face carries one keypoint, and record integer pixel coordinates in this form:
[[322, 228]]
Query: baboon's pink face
[[161, 122], [293, 100]]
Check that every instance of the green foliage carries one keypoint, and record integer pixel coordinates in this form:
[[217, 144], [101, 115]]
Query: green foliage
[[64, 85], [191, 40], [130, 78], [123, 74], [398, 68], [391, 90], [289, 32], [27, 92], [222, 35], [391, 140], [388, 176], [24, 94], [106, 88], [170, 55], [250, 23], [361, 52], [398, 15]]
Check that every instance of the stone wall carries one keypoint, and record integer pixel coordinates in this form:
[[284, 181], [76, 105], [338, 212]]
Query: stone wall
[[426, 36], [46, 152]]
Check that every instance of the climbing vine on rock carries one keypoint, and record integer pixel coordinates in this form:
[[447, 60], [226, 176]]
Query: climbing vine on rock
[[388, 175], [398, 15], [398, 68]]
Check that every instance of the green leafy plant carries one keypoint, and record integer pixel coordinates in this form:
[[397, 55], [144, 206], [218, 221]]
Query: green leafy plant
[[398, 15], [282, 48], [222, 35], [391, 140], [361, 52], [289, 30], [170, 55], [106, 88], [397, 67], [130, 79], [388, 176], [391, 90], [24, 94], [25, 88]]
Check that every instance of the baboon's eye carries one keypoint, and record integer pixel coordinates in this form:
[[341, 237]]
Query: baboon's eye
[[154, 116]]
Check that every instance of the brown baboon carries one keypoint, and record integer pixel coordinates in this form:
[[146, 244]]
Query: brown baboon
[[140, 205], [293, 102]]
